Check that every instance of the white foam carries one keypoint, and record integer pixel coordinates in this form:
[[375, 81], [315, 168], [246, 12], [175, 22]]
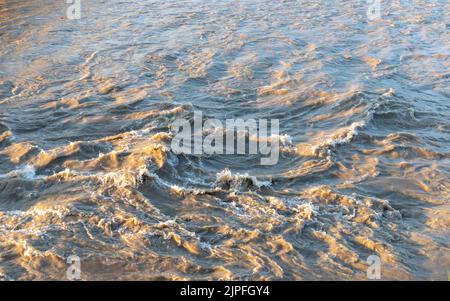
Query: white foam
[[26, 172], [235, 181], [347, 137]]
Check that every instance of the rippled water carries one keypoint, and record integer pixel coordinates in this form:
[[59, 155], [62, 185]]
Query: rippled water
[[86, 168]]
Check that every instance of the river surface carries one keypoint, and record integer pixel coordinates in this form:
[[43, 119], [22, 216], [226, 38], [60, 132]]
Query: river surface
[[87, 169]]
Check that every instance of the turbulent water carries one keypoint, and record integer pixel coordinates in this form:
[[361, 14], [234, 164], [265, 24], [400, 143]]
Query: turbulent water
[[86, 166]]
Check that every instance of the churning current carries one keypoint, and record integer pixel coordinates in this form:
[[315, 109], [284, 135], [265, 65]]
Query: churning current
[[87, 170]]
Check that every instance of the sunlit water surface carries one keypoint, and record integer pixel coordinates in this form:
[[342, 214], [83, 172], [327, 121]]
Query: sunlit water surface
[[86, 168]]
